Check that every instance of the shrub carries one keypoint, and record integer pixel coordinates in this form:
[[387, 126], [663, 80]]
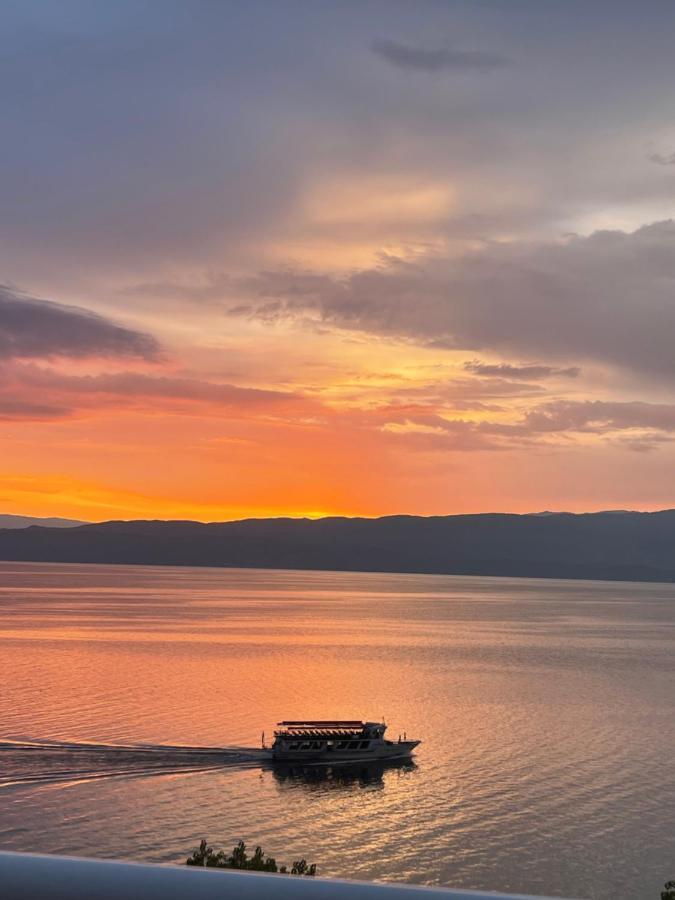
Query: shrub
[[206, 856]]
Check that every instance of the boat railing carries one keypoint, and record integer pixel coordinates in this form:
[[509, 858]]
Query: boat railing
[[28, 876]]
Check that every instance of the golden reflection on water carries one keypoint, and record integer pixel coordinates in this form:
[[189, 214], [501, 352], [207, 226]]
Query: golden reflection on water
[[545, 710]]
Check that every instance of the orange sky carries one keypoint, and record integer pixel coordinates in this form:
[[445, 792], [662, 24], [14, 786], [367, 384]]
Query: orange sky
[[338, 266], [353, 429]]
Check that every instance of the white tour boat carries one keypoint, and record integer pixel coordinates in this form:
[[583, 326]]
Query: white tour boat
[[335, 741]]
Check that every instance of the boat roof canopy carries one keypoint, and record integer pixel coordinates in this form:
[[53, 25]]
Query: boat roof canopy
[[323, 723], [323, 727]]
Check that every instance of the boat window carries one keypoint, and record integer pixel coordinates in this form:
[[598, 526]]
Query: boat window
[[306, 745], [293, 746], [353, 745], [342, 745], [364, 745], [316, 745]]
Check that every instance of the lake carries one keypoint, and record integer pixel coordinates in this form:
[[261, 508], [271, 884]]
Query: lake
[[546, 711]]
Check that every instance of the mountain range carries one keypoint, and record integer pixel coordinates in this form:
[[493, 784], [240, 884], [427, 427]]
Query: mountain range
[[627, 546], [7, 521]]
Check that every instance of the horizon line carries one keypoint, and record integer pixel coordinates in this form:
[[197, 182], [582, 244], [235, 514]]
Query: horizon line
[[317, 518]]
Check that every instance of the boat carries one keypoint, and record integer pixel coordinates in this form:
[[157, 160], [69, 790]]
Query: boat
[[334, 741]]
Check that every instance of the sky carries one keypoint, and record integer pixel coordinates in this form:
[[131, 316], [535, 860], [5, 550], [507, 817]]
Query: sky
[[300, 257]]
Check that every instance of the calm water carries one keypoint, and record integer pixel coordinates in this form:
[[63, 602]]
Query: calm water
[[545, 707]]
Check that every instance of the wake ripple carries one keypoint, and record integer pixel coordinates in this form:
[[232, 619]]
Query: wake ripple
[[36, 762]]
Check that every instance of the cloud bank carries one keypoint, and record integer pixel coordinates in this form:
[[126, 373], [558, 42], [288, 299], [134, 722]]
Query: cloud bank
[[31, 328], [607, 298], [67, 394]]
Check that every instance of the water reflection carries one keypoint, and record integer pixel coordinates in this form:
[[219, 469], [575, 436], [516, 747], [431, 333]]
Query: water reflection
[[346, 775]]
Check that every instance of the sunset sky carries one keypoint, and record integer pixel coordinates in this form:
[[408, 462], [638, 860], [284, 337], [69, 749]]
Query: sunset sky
[[316, 258]]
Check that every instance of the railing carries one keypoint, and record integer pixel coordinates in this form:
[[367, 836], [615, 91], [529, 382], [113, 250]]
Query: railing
[[27, 876]]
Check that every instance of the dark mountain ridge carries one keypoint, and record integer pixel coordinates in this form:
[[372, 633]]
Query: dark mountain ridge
[[632, 546]]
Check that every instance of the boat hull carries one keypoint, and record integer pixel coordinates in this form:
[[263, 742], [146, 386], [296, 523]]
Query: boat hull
[[397, 750]]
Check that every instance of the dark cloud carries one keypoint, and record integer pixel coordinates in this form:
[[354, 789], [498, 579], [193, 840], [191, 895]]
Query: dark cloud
[[607, 298], [443, 59], [530, 371], [32, 329]]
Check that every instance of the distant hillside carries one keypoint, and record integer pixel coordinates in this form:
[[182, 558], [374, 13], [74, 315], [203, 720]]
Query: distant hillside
[[7, 521], [631, 546]]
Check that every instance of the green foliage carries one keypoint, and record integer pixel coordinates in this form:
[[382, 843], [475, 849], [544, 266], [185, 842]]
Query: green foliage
[[300, 867], [206, 856], [669, 892]]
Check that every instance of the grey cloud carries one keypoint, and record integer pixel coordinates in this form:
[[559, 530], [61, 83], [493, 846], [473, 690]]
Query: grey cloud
[[31, 328], [662, 160], [442, 59], [608, 298], [137, 144], [640, 426], [600, 416], [428, 430], [506, 370]]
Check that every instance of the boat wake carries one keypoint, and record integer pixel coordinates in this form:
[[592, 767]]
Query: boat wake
[[36, 762]]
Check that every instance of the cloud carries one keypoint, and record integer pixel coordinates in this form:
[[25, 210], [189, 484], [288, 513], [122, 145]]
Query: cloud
[[469, 393], [11, 410], [404, 56], [645, 443], [600, 416], [529, 371], [633, 425], [662, 160], [31, 328], [606, 298], [190, 152], [66, 394]]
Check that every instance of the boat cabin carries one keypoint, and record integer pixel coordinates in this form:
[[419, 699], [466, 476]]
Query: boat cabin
[[334, 740], [321, 735]]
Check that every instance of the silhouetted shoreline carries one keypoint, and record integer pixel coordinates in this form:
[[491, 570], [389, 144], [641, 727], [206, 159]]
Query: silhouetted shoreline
[[609, 546]]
